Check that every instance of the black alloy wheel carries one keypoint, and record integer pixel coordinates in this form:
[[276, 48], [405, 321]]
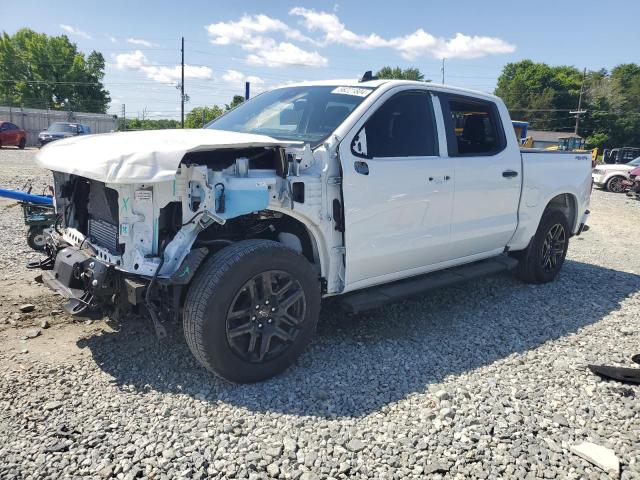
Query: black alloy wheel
[[553, 248], [265, 316]]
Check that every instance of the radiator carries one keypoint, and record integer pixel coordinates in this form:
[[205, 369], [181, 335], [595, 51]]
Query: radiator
[[104, 234]]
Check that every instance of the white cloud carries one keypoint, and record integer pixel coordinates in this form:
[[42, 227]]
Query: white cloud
[[423, 44], [233, 76], [257, 35], [138, 61], [131, 61], [335, 31], [286, 54], [75, 31], [112, 39], [172, 74], [140, 41], [412, 46], [236, 78], [253, 34]]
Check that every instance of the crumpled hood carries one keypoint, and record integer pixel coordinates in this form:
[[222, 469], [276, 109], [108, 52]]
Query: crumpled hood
[[148, 156]]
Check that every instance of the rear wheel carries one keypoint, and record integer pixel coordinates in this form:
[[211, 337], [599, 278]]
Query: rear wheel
[[542, 260], [251, 310], [22, 144], [614, 184]]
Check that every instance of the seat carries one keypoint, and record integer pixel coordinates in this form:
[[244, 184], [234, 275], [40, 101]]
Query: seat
[[473, 138]]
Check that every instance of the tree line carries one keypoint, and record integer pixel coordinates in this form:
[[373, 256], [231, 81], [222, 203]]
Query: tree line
[[546, 95]]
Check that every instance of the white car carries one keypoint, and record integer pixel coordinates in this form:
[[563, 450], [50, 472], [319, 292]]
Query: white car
[[610, 176], [374, 190]]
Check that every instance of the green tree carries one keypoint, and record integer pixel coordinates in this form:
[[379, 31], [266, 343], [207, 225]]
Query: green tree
[[200, 116], [40, 71], [147, 124], [539, 93], [235, 101], [399, 74], [545, 95]]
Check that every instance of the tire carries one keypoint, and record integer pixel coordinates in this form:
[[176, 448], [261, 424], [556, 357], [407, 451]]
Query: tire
[[35, 238], [22, 144], [614, 184], [537, 264], [228, 285]]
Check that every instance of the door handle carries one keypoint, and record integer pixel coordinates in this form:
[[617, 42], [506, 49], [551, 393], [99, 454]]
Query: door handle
[[361, 167], [509, 174]]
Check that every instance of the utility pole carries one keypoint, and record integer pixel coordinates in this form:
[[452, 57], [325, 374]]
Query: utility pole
[[182, 88], [124, 117], [442, 69], [203, 109], [579, 111]]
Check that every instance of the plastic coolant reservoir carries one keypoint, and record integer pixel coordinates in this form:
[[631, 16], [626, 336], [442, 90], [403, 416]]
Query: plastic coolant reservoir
[[242, 196]]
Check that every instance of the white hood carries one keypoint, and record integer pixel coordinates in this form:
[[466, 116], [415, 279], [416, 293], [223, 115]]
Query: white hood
[[621, 167], [148, 156]]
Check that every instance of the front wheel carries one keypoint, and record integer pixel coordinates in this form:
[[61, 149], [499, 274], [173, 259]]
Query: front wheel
[[542, 260], [251, 310], [22, 144], [615, 185]]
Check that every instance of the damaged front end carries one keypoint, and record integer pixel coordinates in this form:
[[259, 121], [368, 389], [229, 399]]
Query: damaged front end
[[124, 245]]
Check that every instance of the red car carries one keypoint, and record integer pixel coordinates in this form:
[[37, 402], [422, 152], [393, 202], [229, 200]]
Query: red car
[[11, 134]]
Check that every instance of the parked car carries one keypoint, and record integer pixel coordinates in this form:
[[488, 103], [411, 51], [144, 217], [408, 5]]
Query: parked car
[[632, 184], [59, 130], [620, 155], [365, 189], [12, 135], [611, 177]]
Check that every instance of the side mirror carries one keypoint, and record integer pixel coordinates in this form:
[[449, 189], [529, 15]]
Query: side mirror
[[359, 144]]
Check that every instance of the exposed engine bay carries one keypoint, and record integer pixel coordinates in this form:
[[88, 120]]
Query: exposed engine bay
[[121, 245]]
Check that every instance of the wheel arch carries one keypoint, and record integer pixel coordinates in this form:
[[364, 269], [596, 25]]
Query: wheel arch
[[309, 246], [567, 203]]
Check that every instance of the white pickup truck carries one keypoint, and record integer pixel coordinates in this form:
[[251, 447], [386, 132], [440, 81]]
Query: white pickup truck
[[373, 189]]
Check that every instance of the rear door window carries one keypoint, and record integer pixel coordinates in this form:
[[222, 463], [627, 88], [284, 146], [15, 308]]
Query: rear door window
[[473, 126]]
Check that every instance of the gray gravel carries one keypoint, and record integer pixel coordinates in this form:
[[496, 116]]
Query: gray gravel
[[484, 380]]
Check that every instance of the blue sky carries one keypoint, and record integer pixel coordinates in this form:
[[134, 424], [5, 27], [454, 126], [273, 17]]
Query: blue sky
[[272, 43]]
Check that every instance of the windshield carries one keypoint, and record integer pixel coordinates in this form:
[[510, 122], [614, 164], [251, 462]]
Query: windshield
[[63, 128], [307, 113], [635, 162]]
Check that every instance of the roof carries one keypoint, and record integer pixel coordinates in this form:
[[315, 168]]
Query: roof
[[543, 136], [351, 82]]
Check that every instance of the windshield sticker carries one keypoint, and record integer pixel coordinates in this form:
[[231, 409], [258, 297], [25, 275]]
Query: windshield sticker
[[357, 91]]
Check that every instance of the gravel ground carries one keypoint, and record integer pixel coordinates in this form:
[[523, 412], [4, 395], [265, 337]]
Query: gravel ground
[[484, 380]]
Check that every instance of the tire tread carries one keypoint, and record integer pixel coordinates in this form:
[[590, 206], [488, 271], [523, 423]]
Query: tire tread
[[204, 284]]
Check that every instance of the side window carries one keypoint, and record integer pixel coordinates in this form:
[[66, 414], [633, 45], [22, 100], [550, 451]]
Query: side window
[[473, 127], [403, 126], [11, 126]]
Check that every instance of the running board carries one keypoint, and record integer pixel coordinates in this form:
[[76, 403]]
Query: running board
[[378, 296]]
